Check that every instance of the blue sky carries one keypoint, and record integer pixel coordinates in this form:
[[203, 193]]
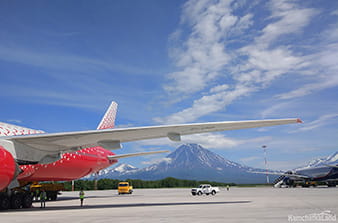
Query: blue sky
[[166, 62]]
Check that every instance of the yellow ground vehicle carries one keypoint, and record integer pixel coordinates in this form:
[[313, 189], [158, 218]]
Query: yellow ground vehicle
[[124, 188], [52, 190]]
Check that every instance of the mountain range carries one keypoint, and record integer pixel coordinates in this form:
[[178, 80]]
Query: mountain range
[[330, 160], [189, 161], [193, 162]]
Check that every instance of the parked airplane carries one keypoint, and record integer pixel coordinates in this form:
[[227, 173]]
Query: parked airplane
[[28, 155], [307, 176]]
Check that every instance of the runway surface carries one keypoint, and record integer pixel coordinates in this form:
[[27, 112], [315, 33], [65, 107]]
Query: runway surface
[[260, 204]]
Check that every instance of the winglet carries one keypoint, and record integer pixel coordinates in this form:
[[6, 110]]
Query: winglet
[[108, 120], [299, 120]]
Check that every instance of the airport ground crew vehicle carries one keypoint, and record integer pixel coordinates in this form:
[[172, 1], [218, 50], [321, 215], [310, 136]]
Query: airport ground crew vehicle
[[52, 190], [124, 188], [23, 195], [204, 189]]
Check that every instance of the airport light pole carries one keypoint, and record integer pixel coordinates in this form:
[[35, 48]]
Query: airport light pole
[[266, 164]]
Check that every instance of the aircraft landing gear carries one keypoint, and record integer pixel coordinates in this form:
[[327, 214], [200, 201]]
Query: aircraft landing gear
[[4, 202], [15, 200], [27, 201], [331, 184]]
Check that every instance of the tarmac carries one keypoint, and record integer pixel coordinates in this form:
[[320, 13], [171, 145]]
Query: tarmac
[[256, 204]]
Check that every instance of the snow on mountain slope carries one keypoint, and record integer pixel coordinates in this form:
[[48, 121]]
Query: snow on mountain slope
[[330, 160]]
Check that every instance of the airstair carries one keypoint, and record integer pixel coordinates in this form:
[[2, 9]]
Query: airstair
[[279, 181]]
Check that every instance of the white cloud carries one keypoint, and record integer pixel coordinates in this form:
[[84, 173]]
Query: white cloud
[[335, 12], [156, 161], [205, 105], [206, 60], [157, 142], [324, 63], [276, 61], [274, 109], [219, 141], [202, 56], [14, 121], [266, 59], [250, 159], [283, 165], [207, 140], [241, 25], [310, 88], [212, 140], [219, 88], [290, 19]]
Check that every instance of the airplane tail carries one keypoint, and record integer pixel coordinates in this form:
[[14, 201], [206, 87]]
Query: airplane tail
[[108, 120]]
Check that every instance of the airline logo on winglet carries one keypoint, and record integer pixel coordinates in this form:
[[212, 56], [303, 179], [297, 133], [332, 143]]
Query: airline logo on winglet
[[108, 120]]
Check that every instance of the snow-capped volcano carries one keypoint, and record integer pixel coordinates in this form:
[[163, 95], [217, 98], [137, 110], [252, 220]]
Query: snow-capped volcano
[[330, 160], [192, 161], [124, 168], [114, 171], [192, 156]]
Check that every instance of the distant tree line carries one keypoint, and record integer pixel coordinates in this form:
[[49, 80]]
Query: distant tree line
[[169, 182]]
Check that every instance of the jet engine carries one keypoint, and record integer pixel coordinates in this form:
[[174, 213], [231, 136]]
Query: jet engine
[[7, 168]]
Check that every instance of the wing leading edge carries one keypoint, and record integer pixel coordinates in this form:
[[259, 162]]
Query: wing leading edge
[[54, 142]]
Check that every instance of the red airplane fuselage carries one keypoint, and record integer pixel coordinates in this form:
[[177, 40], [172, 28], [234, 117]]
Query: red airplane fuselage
[[71, 166]]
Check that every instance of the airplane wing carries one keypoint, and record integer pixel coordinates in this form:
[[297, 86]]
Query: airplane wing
[[333, 166], [282, 174], [53, 143]]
